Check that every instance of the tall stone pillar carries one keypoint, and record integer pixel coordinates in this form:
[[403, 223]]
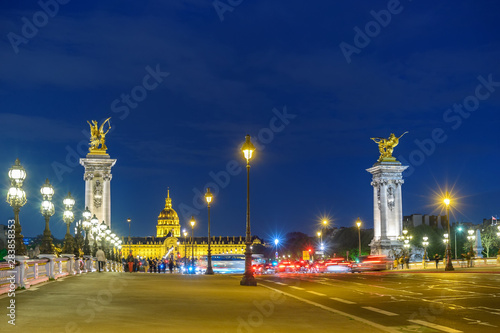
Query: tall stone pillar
[[97, 178], [387, 206]]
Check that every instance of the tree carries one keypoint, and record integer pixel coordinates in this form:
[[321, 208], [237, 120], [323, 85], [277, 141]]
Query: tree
[[489, 239]]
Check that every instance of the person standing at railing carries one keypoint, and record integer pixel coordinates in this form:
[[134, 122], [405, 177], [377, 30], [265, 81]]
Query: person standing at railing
[[101, 259]]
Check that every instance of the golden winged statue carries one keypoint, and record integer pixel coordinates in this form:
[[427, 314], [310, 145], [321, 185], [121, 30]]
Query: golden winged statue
[[386, 147], [97, 136]]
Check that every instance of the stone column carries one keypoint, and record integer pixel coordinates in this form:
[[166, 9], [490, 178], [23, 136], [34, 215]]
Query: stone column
[[387, 206], [97, 178]]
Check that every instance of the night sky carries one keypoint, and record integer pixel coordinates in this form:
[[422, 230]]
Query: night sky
[[310, 82]]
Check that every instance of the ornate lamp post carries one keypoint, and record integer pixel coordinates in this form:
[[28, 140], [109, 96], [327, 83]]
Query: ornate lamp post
[[208, 198], [102, 234], [425, 243], [68, 218], [185, 233], [248, 279], [86, 226], [358, 223], [113, 244], [94, 228], [16, 198], [47, 209], [471, 239], [449, 264], [192, 222]]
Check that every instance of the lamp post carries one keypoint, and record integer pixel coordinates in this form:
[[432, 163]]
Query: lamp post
[[185, 233], [47, 209], [276, 241], [471, 239], [358, 223], [16, 197], [129, 221], [248, 279], [449, 264], [425, 243], [102, 232], [94, 222], [86, 226], [192, 222], [459, 229], [68, 218], [208, 198]]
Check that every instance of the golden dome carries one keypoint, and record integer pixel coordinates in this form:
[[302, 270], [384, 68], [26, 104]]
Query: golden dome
[[168, 213]]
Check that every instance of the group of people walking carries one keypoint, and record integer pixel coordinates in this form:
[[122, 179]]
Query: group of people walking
[[151, 265]]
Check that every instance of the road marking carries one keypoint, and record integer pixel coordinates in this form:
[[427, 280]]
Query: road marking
[[435, 326], [326, 283], [298, 288], [283, 284], [342, 300], [368, 322], [387, 313], [315, 293]]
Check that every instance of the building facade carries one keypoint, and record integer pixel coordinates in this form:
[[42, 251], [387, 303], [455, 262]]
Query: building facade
[[170, 243]]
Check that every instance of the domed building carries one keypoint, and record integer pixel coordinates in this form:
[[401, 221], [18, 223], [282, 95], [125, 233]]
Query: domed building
[[168, 220], [170, 243]]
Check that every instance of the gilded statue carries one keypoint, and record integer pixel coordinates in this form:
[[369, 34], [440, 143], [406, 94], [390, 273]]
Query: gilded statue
[[97, 136], [386, 146]]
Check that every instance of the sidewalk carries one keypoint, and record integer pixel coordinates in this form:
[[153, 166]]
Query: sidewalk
[[125, 302]]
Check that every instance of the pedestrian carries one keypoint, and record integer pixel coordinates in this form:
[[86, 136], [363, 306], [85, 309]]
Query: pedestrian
[[155, 263], [171, 266], [436, 258], [130, 261], [395, 264], [136, 265], [407, 262], [402, 262], [101, 259]]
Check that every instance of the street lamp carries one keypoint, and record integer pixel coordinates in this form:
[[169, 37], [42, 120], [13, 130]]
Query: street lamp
[[129, 221], [358, 223], [192, 222], [86, 226], [456, 229], [248, 279], [449, 265], [471, 239], [208, 198], [16, 197], [425, 243], [276, 241], [68, 218], [94, 225], [47, 209], [185, 233]]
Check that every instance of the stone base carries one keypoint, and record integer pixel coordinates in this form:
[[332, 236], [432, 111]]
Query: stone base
[[385, 247]]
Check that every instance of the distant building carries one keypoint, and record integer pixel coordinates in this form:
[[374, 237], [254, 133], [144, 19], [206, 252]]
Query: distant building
[[169, 241], [435, 221]]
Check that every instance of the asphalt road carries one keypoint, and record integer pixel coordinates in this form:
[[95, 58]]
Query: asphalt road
[[367, 302], [402, 302]]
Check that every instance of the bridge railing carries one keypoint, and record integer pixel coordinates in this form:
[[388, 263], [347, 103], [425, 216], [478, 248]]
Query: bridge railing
[[28, 272]]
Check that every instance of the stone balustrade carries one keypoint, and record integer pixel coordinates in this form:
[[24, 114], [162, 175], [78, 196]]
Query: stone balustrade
[[29, 272]]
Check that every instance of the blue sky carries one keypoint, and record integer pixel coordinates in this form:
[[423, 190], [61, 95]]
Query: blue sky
[[232, 77]]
